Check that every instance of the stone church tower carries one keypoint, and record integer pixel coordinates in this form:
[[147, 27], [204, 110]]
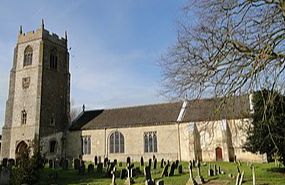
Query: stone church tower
[[39, 91]]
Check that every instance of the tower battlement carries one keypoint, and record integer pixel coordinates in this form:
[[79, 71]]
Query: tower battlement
[[41, 33]]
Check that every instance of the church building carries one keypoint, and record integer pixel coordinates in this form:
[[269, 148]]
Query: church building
[[37, 115]]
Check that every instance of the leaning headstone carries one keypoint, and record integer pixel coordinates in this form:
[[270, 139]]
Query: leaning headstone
[[241, 178], [110, 168], [238, 170], [105, 161], [162, 163], [237, 179], [123, 174], [149, 162], [96, 160], [172, 169], [199, 179], [176, 163], [219, 170], [160, 182], [180, 169], [129, 179], [115, 162], [90, 169], [191, 180], [154, 163], [142, 162], [113, 171], [165, 171], [76, 164], [100, 168], [210, 171], [147, 173]]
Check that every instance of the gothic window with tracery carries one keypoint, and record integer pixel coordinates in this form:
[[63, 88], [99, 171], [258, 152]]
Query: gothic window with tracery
[[86, 145], [28, 56], [53, 59], [116, 142], [150, 142]]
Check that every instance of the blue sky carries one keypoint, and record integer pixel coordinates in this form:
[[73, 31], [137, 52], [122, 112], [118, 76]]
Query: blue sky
[[115, 45]]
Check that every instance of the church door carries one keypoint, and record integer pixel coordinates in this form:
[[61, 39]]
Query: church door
[[219, 154], [21, 147]]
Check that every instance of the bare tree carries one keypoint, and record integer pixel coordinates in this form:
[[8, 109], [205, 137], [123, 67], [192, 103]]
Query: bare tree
[[230, 48], [74, 110]]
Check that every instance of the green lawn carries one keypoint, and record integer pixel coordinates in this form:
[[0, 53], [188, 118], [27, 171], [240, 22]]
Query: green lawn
[[265, 174]]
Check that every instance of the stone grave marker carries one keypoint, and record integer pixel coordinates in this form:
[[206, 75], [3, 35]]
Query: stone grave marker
[[115, 162], [76, 164], [147, 174], [191, 180], [149, 162], [162, 163], [172, 169], [50, 163], [237, 179], [165, 171], [99, 159], [128, 160], [105, 161], [96, 160], [219, 170], [154, 163], [65, 164], [113, 173], [180, 169], [81, 169], [199, 179], [129, 179], [5, 162], [120, 164], [142, 161], [11, 162], [90, 169], [123, 174], [241, 178], [160, 182], [100, 167], [210, 171], [176, 164], [253, 175], [110, 168]]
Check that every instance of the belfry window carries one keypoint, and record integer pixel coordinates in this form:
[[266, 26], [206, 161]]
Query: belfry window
[[116, 142], [24, 117], [28, 56], [86, 145], [150, 142], [52, 146], [53, 59]]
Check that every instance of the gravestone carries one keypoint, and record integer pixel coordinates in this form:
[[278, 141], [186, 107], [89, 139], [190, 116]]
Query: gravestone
[[110, 168], [76, 164], [90, 169], [165, 171], [5, 162], [215, 172], [241, 178], [154, 163], [191, 180], [253, 175], [99, 159], [96, 160], [160, 182], [172, 169], [176, 164], [128, 160], [142, 162], [65, 164], [180, 169], [149, 162], [113, 173], [105, 161], [11, 162], [115, 162], [120, 164], [100, 167], [237, 179], [147, 174], [210, 171], [199, 179], [123, 174], [193, 163], [50, 163], [219, 170], [162, 163], [129, 179], [81, 168], [136, 171]]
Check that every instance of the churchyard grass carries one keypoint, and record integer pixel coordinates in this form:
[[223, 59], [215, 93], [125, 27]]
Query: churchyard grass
[[265, 174]]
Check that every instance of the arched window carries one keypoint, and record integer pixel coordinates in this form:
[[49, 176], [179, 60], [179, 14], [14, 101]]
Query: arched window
[[150, 142], [24, 117], [28, 56], [53, 59], [116, 142], [86, 145], [52, 146]]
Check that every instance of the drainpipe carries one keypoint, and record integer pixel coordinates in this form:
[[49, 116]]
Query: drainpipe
[[179, 145]]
